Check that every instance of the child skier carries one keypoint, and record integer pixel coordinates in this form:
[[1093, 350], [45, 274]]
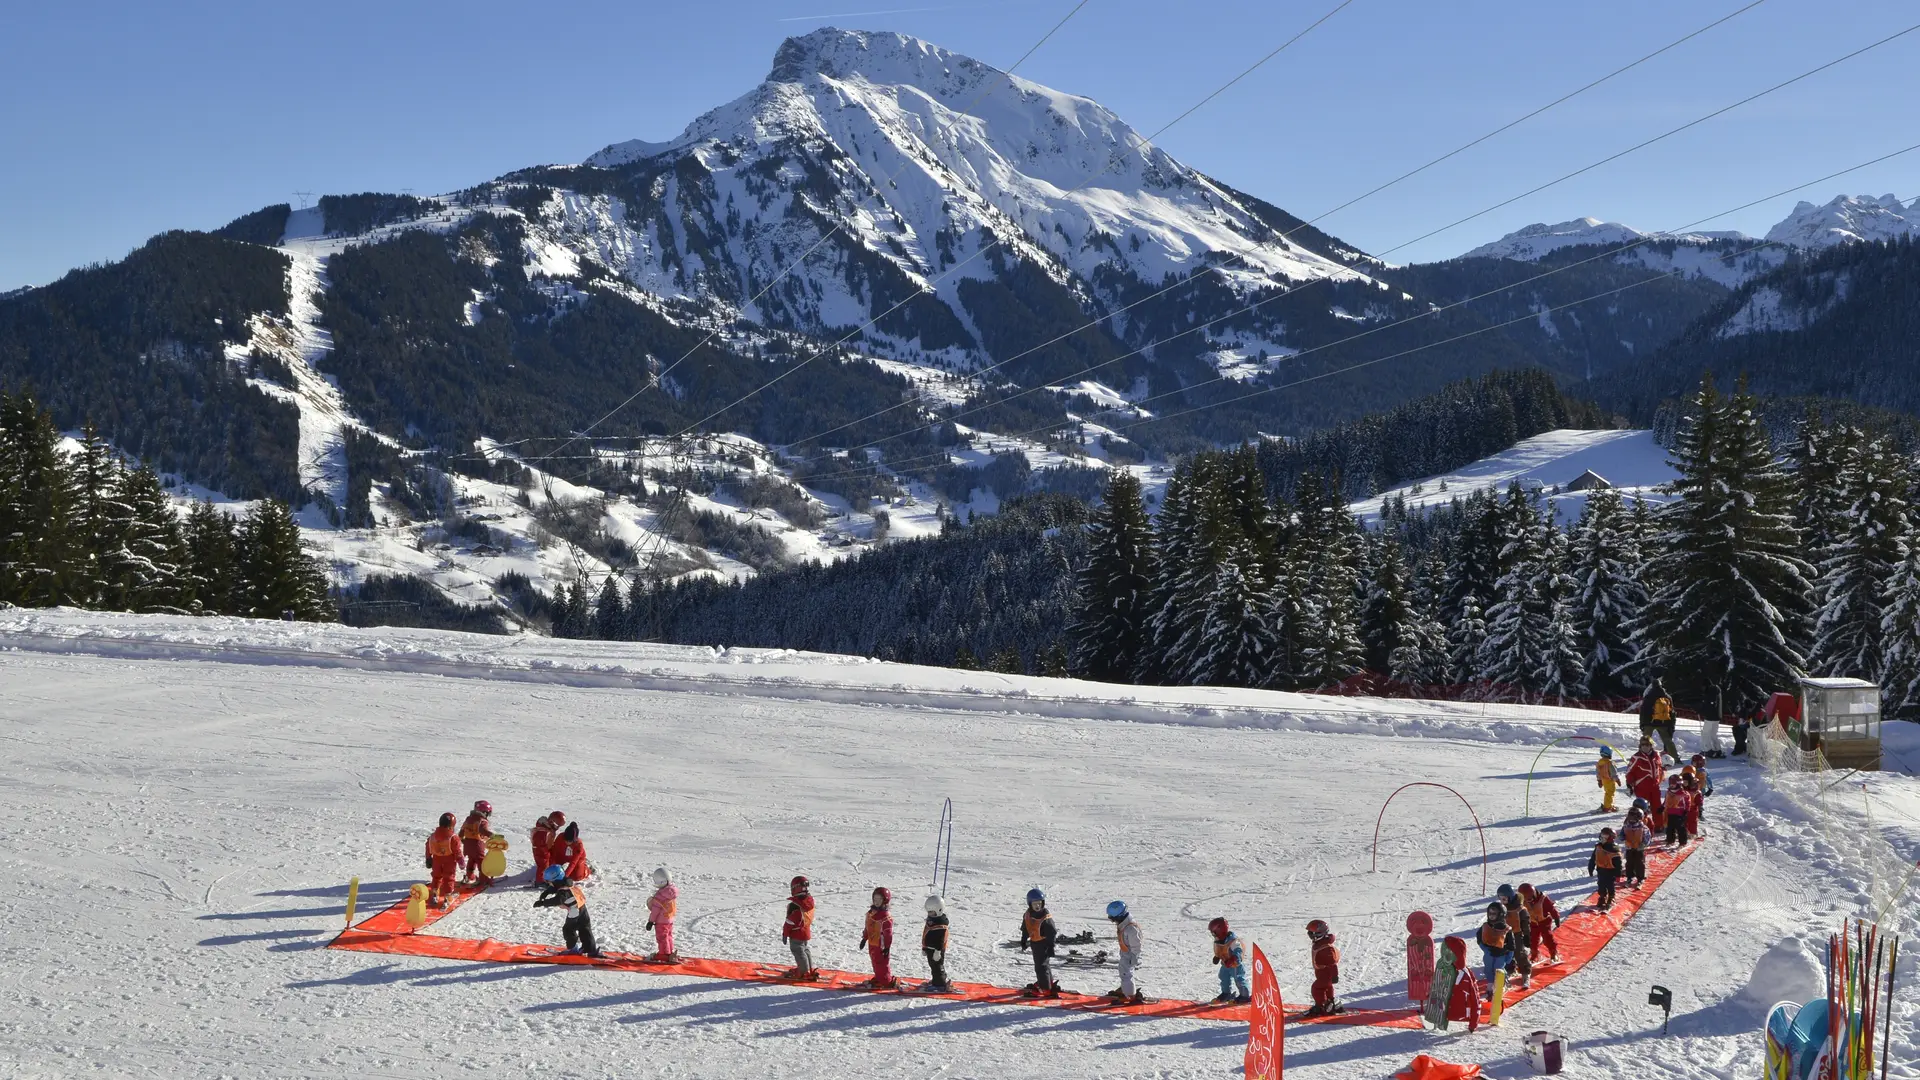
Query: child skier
[[1496, 945], [1037, 935], [1605, 862], [1464, 1002], [1231, 958], [571, 899], [1677, 803], [443, 858], [1634, 837], [541, 841], [1702, 789], [1128, 932], [474, 833], [1608, 778], [933, 944], [662, 906], [877, 938], [1645, 772], [797, 931], [1326, 969], [569, 853], [1519, 934], [1542, 916]]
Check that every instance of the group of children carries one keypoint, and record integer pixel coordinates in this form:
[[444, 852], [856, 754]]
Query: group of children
[[1674, 814], [449, 847], [1519, 927]]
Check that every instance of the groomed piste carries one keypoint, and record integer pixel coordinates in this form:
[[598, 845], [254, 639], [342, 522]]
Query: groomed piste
[[1582, 935]]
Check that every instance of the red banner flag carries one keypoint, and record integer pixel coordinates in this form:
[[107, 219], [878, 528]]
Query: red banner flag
[[1266, 1038]]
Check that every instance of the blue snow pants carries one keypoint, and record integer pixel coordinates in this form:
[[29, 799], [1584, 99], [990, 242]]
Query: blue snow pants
[[1233, 980], [1491, 962]]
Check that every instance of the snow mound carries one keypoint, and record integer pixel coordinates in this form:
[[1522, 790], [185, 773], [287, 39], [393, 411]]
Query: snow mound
[[1786, 972]]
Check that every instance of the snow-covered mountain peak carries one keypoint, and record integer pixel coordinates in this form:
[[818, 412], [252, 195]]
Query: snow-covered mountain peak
[[1847, 219], [910, 163], [1538, 240]]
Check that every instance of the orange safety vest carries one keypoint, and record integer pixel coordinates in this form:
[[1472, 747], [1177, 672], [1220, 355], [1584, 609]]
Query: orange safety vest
[[443, 843], [1493, 937], [1602, 857], [1032, 926]]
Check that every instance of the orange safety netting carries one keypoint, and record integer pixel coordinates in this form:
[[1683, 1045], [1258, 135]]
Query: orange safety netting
[[1582, 935]]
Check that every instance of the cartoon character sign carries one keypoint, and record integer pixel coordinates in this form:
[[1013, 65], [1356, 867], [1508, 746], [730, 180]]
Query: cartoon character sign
[[1419, 956]]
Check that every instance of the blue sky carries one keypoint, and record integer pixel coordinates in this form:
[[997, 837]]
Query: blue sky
[[126, 119]]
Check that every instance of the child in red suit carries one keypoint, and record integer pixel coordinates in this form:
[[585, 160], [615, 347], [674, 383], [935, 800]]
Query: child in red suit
[[877, 938], [1542, 917], [1465, 1002], [443, 858], [474, 833], [1326, 969], [569, 854], [541, 840]]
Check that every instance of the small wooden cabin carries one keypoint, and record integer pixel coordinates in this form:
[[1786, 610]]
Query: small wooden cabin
[[1841, 719]]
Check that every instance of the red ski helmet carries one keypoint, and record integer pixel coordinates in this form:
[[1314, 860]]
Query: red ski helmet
[[1318, 929], [557, 818], [798, 885], [882, 897], [446, 820], [484, 808], [1526, 890], [1218, 928]]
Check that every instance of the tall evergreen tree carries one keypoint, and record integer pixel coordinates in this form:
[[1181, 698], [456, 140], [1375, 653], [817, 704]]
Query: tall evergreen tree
[[41, 554], [278, 579], [96, 476], [1732, 609], [1900, 628], [1863, 550], [147, 569], [609, 612], [1515, 650], [1387, 616], [1110, 631], [1324, 590], [212, 585], [1607, 593]]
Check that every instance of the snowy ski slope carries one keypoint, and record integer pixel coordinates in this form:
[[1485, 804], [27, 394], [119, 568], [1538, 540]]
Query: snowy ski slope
[[188, 798], [1631, 460]]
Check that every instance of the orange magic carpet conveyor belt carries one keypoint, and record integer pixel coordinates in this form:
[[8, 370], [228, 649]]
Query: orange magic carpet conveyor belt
[[1581, 936]]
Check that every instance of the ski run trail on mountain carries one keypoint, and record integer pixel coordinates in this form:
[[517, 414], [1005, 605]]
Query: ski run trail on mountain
[[188, 798]]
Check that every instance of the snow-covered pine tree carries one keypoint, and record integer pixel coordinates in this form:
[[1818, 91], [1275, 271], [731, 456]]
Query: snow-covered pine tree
[[1607, 593], [1900, 630], [1472, 562], [148, 570], [213, 571], [1177, 543], [1863, 550], [96, 475], [278, 579], [1236, 646], [1819, 509], [1732, 607], [1515, 650], [1421, 654], [39, 550], [1110, 630], [1563, 670], [1326, 568], [1387, 614]]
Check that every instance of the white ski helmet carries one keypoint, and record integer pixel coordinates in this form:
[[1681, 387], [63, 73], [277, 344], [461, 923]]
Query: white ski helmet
[[934, 905], [661, 878]]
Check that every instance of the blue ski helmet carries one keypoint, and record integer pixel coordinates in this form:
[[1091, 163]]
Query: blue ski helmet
[[1504, 892], [555, 875], [1035, 895], [1117, 910], [1639, 804], [1606, 751]]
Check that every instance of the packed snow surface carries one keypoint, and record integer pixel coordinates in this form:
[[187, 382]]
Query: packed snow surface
[[188, 798], [1631, 461]]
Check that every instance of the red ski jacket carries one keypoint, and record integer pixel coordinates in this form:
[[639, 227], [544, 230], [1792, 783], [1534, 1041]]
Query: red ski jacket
[[799, 924], [879, 929], [1326, 958]]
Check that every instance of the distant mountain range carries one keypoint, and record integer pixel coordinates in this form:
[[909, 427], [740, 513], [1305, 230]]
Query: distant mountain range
[[932, 256]]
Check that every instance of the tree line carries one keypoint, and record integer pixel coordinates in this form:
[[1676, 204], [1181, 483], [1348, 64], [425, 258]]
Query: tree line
[[84, 529], [1233, 586]]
